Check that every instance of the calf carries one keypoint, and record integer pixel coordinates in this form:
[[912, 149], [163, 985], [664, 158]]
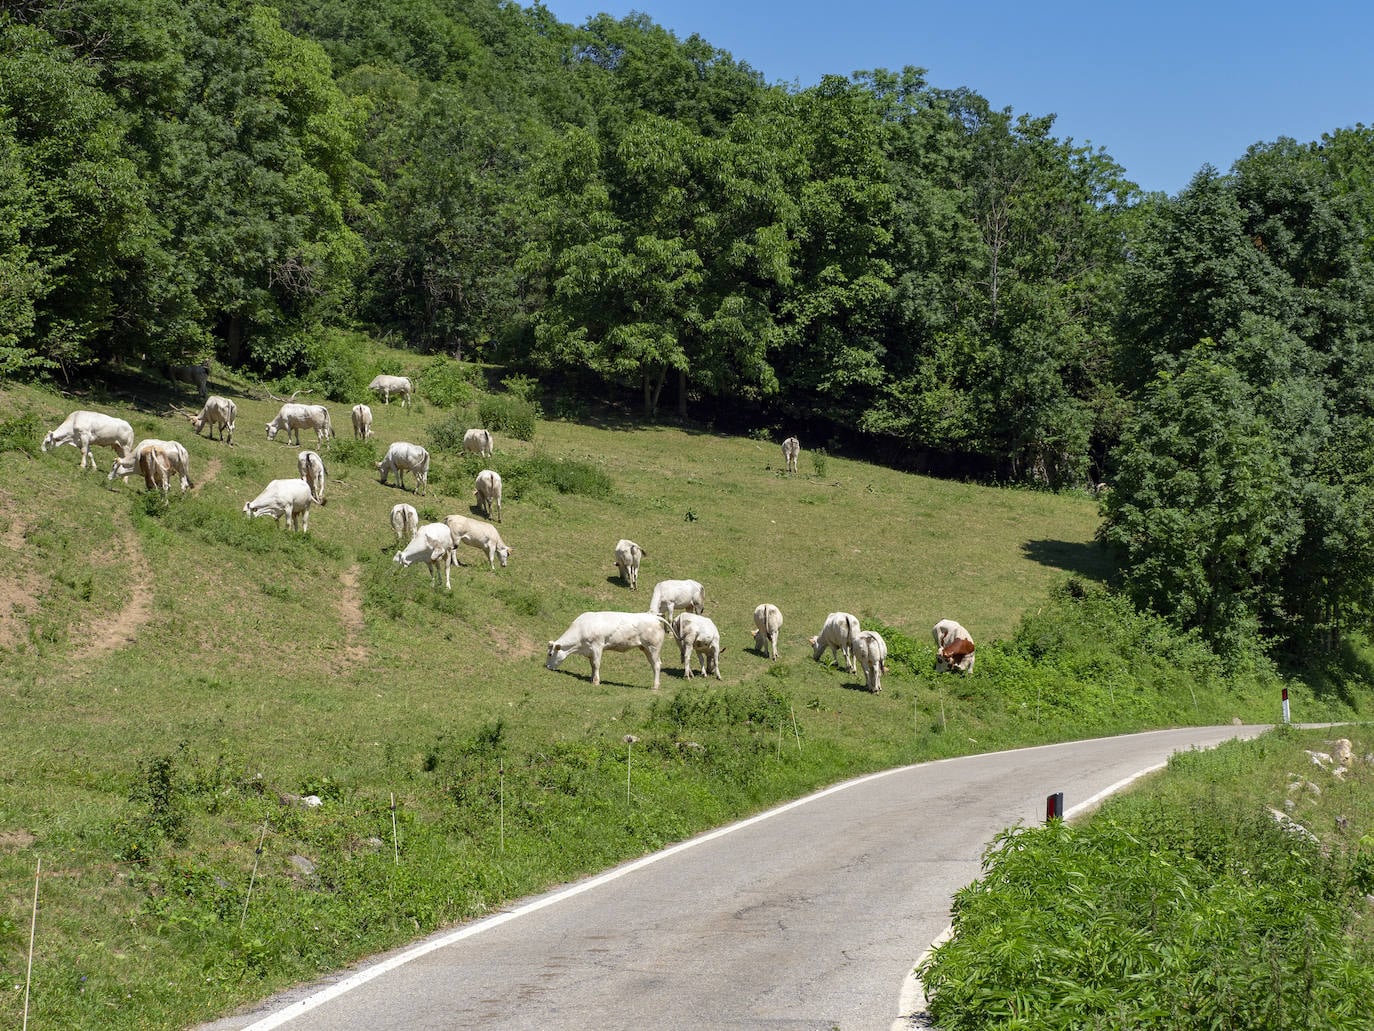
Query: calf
[[697, 635], [290, 498], [627, 557], [311, 467], [81, 429], [478, 442], [362, 422], [482, 536], [405, 521], [677, 594], [870, 651], [402, 457], [156, 470], [217, 412], [178, 461], [388, 385], [838, 634], [791, 449], [595, 632], [767, 623], [434, 544], [954, 647], [488, 492]]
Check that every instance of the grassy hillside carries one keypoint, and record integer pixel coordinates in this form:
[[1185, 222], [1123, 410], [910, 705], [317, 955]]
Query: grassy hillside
[[176, 677]]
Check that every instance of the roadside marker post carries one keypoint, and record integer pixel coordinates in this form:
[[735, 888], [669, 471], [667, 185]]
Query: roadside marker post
[[1285, 706], [1054, 806]]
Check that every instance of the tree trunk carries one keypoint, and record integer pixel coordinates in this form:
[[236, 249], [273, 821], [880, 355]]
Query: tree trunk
[[233, 339], [682, 394]]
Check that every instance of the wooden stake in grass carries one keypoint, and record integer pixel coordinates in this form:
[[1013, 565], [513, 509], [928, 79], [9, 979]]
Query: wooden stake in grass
[[795, 732], [395, 842], [503, 806], [257, 855], [33, 932], [630, 740]]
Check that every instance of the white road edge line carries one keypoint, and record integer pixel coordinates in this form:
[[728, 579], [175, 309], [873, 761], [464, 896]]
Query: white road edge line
[[303, 1006]]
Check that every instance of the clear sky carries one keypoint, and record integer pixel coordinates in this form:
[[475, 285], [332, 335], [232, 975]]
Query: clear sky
[[1164, 87]]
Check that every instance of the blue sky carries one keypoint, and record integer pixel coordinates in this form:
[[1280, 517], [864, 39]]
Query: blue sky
[[1164, 87]]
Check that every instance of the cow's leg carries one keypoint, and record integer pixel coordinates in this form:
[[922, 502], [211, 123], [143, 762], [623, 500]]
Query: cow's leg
[[655, 663], [686, 650], [595, 658]]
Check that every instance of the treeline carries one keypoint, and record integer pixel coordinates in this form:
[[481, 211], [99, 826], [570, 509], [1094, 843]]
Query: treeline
[[868, 259]]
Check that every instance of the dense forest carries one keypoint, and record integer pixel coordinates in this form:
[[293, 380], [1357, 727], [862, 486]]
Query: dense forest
[[886, 264]]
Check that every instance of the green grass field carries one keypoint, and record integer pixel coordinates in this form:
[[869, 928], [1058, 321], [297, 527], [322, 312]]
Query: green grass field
[[175, 676]]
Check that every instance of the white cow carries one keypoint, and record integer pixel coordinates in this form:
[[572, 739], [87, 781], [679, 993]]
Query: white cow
[[196, 375], [388, 385], [697, 635], [791, 449], [478, 442], [677, 594], [82, 429], [870, 652], [767, 623], [954, 647], [156, 469], [627, 557], [290, 498], [434, 544], [311, 467], [362, 422], [482, 536], [295, 417], [838, 634], [178, 461], [217, 412], [488, 492], [594, 632], [401, 458], [405, 521]]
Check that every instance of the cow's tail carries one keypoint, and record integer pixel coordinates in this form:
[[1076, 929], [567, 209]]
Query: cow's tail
[[328, 430]]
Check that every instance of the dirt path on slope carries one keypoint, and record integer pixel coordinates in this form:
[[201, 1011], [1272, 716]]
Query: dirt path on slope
[[18, 595], [122, 628], [351, 616], [212, 469]]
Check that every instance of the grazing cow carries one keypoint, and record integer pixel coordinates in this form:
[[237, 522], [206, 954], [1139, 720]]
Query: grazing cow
[[362, 422], [82, 429], [478, 442], [791, 450], [156, 470], [838, 634], [697, 635], [405, 521], [295, 417], [217, 412], [767, 623], [178, 461], [594, 632], [290, 498], [196, 375], [482, 536], [627, 558], [954, 645], [402, 458], [311, 467], [677, 594], [488, 492], [388, 385], [870, 651], [434, 544]]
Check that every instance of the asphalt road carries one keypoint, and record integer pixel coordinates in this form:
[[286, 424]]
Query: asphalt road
[[808, 916]]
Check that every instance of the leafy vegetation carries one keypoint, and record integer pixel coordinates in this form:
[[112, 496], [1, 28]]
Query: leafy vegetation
[[1185, 904]]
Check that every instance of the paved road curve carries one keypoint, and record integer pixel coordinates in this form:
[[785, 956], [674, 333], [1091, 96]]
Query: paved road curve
[[809, 916]]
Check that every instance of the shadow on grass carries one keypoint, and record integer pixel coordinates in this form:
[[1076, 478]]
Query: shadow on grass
[[1085, 559], [1342, 674]]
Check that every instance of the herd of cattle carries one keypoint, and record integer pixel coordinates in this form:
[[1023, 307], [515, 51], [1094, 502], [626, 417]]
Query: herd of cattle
[[675, 606]]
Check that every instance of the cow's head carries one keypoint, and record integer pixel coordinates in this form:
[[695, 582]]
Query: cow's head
[[272, 431]]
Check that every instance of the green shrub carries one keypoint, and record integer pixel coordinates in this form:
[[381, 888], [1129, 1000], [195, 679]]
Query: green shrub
[[447, 384], [819, 461], [362, 454], [338, 365], [21, 433], [507, 414], [566, 476], [447, 433]]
